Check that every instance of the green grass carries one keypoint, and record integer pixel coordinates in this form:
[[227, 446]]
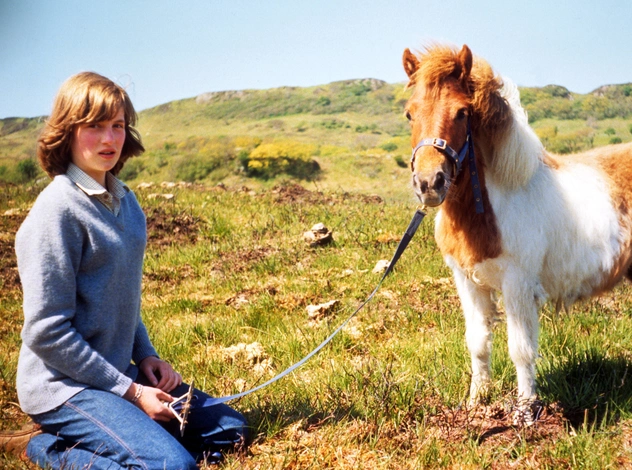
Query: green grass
[[225, 267]]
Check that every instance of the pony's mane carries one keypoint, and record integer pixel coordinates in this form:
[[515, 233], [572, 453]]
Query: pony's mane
[[516, 151]]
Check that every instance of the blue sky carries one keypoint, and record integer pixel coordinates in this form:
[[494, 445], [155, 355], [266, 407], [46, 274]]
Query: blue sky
[[162, 51]]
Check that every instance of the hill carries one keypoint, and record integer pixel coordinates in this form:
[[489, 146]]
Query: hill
[[348, 134]]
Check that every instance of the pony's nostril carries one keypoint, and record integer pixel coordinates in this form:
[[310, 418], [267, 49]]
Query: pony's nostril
[[424, 187], [439, 182]]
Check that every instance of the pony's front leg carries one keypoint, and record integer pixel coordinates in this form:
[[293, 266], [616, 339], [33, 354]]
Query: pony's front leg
[[522, 298], [480, 314]]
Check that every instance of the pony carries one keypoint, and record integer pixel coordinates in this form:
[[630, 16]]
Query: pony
[[513, 219]]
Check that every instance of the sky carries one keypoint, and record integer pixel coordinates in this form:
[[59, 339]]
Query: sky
[[166, 50]]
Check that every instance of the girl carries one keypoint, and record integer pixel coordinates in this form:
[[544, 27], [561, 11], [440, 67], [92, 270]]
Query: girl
[[87, 371]]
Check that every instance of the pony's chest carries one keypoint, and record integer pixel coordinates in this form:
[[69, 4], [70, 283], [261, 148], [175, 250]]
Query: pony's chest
[[468, 240]]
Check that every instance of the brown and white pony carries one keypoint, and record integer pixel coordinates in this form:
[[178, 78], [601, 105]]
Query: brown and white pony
[[552, 227]]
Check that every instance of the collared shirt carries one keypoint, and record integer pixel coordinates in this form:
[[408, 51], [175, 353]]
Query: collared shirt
[[110, 199]]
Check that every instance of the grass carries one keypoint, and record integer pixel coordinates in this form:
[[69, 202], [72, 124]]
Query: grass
[[229, 266]]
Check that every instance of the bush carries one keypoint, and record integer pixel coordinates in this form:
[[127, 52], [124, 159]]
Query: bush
[[571, 142], [272, 159], [389, 146], [27, 169], [194, 168], [401, 162], [132, 169], [610, 131], [616, 140]]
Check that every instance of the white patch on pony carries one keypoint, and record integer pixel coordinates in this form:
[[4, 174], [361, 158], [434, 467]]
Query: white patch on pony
[[560, 239], [518, 152]]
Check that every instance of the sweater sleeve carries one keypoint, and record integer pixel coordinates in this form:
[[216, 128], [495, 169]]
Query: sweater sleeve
[[49, 249]]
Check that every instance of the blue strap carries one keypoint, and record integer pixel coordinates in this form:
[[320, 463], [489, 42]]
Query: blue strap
[[476, 185], [408, 235]]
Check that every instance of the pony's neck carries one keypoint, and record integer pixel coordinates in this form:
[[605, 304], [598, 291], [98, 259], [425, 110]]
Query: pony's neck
[[461, 233]]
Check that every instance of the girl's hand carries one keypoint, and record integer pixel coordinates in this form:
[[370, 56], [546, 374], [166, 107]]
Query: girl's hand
[[152, 401], [160, 373]]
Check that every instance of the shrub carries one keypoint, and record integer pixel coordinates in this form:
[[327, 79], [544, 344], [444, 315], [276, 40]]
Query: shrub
[[389, 146], [133, 167], [246, 142], [194, 167], [323, 101], [372, 128], [570, 142], [401, 162], [272, 159], [610, 131], [27, 169], [332, 124], [616, 140]]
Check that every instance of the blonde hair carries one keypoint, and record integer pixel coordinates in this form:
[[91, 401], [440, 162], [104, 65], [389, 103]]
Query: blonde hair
[[84, 98]]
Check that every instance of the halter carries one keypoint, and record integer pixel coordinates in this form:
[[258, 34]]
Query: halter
[[457, 160]]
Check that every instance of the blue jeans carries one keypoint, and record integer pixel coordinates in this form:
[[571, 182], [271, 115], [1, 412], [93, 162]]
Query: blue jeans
[[99, 430]]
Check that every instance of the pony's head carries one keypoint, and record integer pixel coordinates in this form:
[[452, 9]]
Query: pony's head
[[452, 93]]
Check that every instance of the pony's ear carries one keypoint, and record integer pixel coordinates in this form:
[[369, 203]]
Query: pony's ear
[[411, 65], [465, 60]]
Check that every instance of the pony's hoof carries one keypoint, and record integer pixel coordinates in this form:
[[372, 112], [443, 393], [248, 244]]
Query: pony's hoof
[[479, 394], [526, 413]]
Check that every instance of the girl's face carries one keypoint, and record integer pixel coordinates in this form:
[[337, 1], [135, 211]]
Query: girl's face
[[96, 147]]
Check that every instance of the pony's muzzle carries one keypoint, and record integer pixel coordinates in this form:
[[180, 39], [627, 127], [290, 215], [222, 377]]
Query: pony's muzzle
[[431, 190]]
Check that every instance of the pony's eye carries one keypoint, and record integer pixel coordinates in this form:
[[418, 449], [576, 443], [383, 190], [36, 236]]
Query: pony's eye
[[461, 114], [408, 116]]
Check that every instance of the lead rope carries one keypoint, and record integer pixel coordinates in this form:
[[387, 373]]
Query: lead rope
[[182, 405]]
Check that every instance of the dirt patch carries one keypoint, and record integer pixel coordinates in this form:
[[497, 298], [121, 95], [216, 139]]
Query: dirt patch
[[493, 425], [168, 229], [295, 193], [242, 260], [290, 193]]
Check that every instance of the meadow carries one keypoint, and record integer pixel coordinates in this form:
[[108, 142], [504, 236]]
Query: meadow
[[229, 277]]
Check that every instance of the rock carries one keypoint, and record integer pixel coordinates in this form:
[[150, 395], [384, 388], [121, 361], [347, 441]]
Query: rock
[[320, 311], [12, 212], [381, 266], [167, 197], [318, 235]]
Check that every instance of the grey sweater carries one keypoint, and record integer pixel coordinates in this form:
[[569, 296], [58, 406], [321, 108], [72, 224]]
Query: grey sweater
[[81, 269]]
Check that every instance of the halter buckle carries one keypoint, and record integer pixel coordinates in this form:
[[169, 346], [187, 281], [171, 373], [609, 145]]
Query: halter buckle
[[439, 143]]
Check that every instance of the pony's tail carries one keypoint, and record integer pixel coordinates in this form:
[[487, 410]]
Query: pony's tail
[[518, 150]]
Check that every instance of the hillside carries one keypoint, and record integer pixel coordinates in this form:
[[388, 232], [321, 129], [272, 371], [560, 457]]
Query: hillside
[[348, 134]]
